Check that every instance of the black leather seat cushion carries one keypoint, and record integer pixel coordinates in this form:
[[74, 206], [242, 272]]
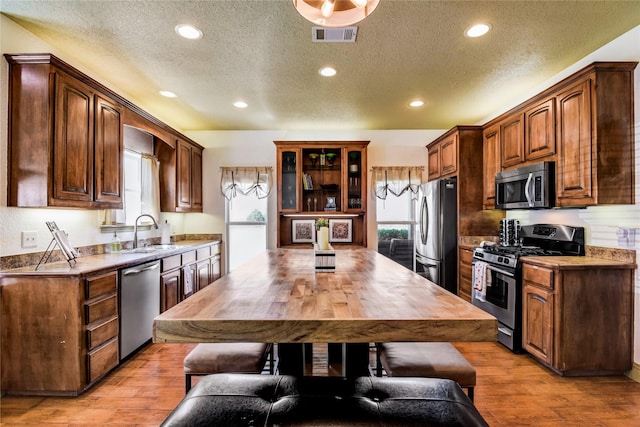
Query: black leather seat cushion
[[280, 400]]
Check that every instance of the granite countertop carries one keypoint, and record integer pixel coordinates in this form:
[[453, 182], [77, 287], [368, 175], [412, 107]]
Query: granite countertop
[[470, 242], [596, 256], [105, 262], [576, 262]]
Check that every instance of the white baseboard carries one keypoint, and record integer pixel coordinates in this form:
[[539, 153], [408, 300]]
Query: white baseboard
[[634, 373]]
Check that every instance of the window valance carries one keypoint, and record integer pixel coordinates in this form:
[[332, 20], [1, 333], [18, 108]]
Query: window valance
[[245, 180], [395, 180]]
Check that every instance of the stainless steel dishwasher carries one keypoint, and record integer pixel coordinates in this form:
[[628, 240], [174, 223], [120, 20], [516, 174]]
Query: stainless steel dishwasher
[[139, 305]]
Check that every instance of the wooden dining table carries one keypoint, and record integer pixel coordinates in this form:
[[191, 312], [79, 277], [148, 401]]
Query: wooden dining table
[[277, 297]]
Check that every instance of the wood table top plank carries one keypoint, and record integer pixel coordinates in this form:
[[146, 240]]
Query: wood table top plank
[[278, 297]]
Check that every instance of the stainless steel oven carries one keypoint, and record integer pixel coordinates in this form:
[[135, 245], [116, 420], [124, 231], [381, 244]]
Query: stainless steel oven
[[503, 300], [497, 282]]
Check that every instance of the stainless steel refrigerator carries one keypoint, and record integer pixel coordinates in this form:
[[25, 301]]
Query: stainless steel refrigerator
[[436, 233]]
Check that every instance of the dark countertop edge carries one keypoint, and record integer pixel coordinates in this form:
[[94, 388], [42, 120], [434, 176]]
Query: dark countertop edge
[[96, 264], [576, 262]]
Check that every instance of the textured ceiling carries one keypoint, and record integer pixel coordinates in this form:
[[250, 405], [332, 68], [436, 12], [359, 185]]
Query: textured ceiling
[[261, 52]]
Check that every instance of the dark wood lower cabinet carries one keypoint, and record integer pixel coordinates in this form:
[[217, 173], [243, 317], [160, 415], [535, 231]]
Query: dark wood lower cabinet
[[465, 273], [203, 270], [170, 289], [59, 333], [538, 334], [578, 320], [183, 275]]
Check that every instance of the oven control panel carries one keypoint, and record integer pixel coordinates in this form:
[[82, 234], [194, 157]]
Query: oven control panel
[[506, 260]]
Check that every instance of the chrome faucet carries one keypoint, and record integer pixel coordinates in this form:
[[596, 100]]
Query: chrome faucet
[[135, 229]]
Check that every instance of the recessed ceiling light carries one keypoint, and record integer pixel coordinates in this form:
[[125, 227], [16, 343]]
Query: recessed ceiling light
[[168, 94], [417, 103], [327, 72], [240, 104], [188, 31], [477, 30]]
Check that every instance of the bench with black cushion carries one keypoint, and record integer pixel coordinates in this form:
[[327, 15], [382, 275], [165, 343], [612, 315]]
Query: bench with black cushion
[[426, 359], [217, 358], [282, 400]]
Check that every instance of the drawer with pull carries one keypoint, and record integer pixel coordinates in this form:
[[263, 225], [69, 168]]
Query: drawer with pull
[[100, 309], [538, 275]]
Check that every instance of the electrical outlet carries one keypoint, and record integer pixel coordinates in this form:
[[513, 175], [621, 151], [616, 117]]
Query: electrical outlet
[[626, 237], [29, 239]]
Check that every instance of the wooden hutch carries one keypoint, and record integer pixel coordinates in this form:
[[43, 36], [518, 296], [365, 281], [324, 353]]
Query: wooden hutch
[[322, 179]]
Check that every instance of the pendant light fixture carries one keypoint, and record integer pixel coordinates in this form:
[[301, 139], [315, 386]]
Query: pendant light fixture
[[335, 13]]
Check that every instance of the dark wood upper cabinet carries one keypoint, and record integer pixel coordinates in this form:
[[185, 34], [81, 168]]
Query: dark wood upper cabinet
[[491, 165], [180, 176], [433, 159], [442, 157], [460, 154], [528, 135], [595, 128], [183, 200], [574, 133], [189, 177], [512, 141], [540, 136], [65, 138], [585, 123], [196, 179], [66, 142], [108, 151], [449, 155], [73, 141]]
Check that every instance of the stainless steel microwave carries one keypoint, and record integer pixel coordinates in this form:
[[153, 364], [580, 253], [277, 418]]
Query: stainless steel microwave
[[528, 187]]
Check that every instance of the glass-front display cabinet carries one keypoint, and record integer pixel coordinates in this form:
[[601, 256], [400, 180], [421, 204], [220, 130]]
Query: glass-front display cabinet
[[321, 179], [288, 179]]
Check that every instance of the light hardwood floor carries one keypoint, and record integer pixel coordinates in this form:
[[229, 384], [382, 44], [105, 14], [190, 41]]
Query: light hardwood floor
[[512, 390]]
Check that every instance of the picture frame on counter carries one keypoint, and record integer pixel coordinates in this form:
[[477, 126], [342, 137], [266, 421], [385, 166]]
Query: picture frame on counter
[[341, 230], [303, 230]]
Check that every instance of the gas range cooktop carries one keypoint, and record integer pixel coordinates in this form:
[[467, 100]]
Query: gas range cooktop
[[537, 240], [508, 255], [518, 251]]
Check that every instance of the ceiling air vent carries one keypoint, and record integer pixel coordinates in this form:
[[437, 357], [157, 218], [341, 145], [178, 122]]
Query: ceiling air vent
[[334, 35]]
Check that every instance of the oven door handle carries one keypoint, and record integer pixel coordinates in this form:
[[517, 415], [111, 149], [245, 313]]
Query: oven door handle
[[498, 270], [505, 331]]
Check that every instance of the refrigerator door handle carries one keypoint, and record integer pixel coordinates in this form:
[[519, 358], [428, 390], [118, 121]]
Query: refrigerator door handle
[[425, 261], [424, 221]]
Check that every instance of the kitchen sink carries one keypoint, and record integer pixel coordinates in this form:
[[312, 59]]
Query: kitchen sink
[[162, 247], [149, 249], [144, 250]]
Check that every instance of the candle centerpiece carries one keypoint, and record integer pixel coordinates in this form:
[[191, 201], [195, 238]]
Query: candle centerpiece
[[322, 233], [325, 256]]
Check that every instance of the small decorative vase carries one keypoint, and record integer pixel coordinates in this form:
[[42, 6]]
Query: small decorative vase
[[330, 158], [323, 238]]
